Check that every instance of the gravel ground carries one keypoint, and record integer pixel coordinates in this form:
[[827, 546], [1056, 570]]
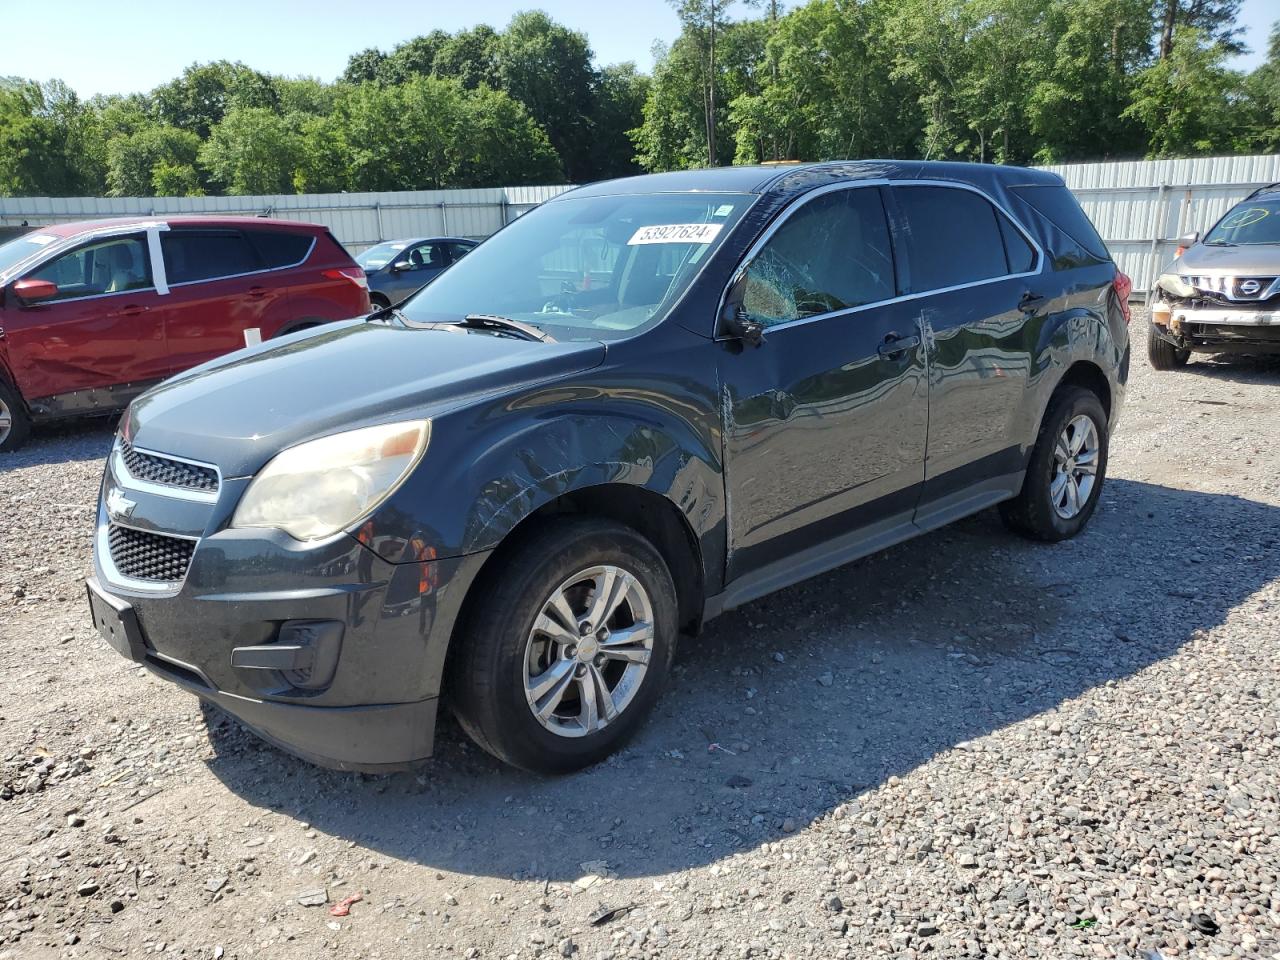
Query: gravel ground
[[967, 746]]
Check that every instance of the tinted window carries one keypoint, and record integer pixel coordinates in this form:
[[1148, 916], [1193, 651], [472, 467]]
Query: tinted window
[[460, 250], [280, 248], [428, 255], [191, 255], [952, 237], [833, 253], [113, 265], [1059, 207], [1020, 255]]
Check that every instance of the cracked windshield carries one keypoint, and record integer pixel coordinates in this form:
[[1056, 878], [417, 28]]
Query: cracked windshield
[[591, 268]]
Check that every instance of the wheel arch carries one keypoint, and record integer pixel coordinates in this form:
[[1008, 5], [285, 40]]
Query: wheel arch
[[1087, 374]]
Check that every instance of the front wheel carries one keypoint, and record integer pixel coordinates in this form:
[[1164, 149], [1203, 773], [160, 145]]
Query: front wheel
[[570, 647], [15, 423], [1162, 354], [1064, 476]]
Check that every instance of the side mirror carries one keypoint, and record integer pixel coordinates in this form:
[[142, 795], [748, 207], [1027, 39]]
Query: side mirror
[[400, 265], [33, 291], [734, 319]]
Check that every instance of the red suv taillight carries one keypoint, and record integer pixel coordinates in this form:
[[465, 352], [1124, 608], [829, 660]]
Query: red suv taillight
[[1123, 287], [352, 274]]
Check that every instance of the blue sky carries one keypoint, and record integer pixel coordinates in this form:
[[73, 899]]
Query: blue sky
[[134, 45]]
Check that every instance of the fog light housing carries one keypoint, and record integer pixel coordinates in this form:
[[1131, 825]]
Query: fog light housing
[[305, 653]]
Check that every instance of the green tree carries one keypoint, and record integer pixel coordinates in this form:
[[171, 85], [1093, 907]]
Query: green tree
[[1263, 89], [42, 132], [253, 151], [471, 57], [1187, 102], [1217, 21], [133, 158], [548, 68], [170, 179], [365, 67], [1076, 109], [199, 98], [620, 95]]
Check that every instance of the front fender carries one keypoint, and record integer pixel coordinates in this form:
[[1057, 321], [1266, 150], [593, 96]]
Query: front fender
[[491, 465]]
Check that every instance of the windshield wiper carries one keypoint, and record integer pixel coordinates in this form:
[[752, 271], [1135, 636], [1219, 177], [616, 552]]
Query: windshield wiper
[[1220, 243], [488, 321]]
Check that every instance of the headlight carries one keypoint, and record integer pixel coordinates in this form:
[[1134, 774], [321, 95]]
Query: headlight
[[1176, 284], [317, 488]]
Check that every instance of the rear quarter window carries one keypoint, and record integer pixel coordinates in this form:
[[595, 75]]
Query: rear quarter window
[[1057, 205], [193, 255], [280, 248]]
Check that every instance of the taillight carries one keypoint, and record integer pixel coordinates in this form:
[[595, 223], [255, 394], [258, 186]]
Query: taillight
[[352, 274], [1123, 287]]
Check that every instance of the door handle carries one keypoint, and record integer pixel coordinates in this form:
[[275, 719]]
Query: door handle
[[1031, 302], [894, 346], [132, 310], [258, 292]]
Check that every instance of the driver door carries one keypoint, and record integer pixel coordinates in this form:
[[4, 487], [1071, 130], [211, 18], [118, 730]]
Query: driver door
[[101, 330], [827, 417]]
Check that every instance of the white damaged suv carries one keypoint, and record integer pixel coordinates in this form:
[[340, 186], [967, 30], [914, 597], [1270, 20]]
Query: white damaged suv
[[1222, 293]]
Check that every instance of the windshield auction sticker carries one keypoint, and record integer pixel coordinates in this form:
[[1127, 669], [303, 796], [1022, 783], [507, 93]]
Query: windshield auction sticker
[[676, 233]]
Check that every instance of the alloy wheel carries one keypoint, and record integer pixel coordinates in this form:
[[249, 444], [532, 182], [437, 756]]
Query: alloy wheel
[[588, 651], [1075, 466], [6, 421]]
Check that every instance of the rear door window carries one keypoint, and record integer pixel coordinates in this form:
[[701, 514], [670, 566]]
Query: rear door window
[[194, 255], [280, 248], [832, 254], [953, 237], [112, 265]]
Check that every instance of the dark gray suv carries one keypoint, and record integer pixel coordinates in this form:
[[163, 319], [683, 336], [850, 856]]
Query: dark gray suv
[[644, 403]]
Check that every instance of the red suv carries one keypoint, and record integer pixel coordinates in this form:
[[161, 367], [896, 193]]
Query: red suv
[[91, 314]]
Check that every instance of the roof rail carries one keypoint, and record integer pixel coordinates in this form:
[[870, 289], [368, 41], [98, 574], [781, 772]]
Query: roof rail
[[1269, 188]]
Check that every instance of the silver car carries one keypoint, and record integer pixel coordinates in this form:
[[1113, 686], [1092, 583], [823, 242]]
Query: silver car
[[1221, 294]]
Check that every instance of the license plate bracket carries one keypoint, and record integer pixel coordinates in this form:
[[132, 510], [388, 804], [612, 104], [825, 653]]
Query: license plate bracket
[[117, 622]]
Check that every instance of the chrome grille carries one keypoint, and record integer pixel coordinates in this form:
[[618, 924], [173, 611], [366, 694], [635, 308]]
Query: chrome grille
[[168, 472], [154, 557], [1239, 289]]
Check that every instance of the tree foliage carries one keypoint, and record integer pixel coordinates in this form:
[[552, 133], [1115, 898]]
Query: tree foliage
[[1011, 81]]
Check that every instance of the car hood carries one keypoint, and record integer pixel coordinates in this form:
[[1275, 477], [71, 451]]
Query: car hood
[[1246, 260], [241, 410]]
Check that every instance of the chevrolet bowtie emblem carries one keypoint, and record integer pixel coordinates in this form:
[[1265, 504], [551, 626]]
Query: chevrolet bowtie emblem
[[119, 507]]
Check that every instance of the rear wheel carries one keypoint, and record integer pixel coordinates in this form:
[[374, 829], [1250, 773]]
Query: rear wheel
[[1064, 476], [1163, 354], [15, 423], [378, 301], [570, 648]]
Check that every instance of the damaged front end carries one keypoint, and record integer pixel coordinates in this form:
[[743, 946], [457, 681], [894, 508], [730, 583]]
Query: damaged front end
[[1217, 314]]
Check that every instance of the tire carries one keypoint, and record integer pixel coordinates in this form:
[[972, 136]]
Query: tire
[[15, 422], [511, 639], [1044, 508], [378, 302], [1163, 354]]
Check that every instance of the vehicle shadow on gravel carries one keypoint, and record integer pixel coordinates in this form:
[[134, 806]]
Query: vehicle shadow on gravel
[[1242, 367], [802, 701]]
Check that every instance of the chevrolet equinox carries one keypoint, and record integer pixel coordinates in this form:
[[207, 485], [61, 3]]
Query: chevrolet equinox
[[644, 403]]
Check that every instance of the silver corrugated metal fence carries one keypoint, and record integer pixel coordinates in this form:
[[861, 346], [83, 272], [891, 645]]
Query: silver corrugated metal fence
[[359, 220], [1142, 207]]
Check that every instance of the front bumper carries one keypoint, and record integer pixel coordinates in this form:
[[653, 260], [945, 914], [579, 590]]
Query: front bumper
[[244, 588], [1217, 329]]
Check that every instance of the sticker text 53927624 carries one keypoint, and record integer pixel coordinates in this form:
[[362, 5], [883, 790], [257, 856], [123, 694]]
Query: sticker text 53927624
[[676, 233]]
